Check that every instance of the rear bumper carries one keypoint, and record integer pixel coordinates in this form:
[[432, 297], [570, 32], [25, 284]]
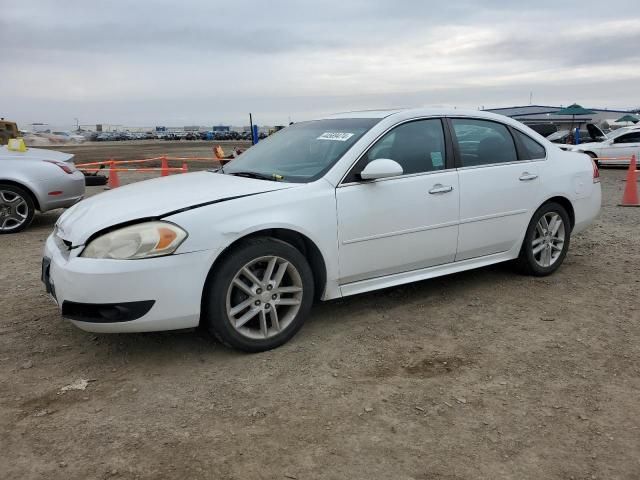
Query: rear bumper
[[113, 296], [586, 209], [72, 187]]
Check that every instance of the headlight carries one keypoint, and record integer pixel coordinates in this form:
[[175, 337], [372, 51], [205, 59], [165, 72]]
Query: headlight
[[144, 240]]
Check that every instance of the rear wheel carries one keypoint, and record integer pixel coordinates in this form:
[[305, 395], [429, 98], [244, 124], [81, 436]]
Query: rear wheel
[[259, 296], [546, 242], [16, 209]]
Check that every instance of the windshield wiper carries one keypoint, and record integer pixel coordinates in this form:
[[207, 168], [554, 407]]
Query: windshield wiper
[[259, 176]]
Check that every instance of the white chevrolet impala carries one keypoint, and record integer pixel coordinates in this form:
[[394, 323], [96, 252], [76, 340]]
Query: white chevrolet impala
[[323, 209]]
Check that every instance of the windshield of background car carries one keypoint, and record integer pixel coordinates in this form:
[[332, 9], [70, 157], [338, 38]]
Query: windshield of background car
[[617, 133], [302, 152]]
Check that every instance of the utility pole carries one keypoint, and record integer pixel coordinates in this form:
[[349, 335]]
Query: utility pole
[[253, 140]]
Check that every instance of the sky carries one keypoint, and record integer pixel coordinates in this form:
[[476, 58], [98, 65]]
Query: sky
[[207, 62]]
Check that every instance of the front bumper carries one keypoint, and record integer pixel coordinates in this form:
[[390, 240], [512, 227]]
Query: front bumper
[[173, 284]]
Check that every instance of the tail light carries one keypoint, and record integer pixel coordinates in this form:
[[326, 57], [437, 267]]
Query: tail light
[[596, 172], [66, 168]]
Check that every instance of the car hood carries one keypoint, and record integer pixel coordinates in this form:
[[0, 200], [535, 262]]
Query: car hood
[[155, 199], [586, 146], [35, 154]]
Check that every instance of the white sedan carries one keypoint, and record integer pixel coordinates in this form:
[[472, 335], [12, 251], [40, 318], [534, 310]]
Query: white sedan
[[619, 144], [323, 209]]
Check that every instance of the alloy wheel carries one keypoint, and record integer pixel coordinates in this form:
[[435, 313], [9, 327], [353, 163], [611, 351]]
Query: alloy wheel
[[548, 240], [264, 297], [14, 210]]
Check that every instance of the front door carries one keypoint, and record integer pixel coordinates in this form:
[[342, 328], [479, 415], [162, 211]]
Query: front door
[[401, 223]]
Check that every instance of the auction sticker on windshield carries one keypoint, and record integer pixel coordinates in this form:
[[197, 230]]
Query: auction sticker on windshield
[[336, 136]]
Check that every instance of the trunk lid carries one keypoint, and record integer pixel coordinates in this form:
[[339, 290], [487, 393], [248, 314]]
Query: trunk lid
[[35, 154]]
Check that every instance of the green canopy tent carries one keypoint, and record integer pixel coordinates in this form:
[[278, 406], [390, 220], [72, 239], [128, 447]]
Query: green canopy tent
[[574, 110], [628, 118]]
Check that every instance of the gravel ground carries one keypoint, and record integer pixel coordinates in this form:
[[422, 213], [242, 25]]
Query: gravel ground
[[479, 375]]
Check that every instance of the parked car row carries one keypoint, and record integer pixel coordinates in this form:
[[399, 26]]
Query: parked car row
[[118, 136], [176, 135]]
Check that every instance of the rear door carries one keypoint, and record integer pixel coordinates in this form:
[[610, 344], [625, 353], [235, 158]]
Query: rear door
[[499, 184]]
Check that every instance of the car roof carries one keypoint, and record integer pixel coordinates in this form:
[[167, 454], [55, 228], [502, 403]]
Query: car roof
[[427, 112]]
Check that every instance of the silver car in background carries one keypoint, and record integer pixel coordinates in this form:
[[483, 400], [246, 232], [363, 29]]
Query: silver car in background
[[35, 179]]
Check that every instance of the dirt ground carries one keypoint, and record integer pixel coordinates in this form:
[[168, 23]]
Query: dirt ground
[[479, 375], [138, 149]]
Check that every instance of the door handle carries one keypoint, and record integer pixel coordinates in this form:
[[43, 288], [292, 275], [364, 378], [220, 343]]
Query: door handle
[[439, 188], [526, 176]]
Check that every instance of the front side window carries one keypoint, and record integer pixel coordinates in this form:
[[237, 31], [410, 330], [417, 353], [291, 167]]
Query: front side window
[[302, 152], [418, 146], [483, 142]]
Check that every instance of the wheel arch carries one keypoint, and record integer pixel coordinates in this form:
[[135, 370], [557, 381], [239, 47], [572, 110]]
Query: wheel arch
[[300, 241], [33, 196], [566, 203]]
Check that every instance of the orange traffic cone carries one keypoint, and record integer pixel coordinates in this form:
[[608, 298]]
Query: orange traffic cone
[[165, 166], [630, 195], [114, 180]]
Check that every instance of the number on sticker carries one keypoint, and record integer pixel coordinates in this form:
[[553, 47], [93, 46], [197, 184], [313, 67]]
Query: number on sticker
[[336, 136]]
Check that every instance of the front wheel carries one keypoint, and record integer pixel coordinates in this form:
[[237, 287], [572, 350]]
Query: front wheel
[[546, 242], [258, 297]]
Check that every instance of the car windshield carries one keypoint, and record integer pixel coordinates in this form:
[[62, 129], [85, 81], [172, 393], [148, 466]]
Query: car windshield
[[618, 132], [302, 152]]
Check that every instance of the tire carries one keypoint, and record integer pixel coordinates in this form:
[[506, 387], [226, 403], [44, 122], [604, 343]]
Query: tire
[[294, 292], [17, 209], [95, 180], [538, 263]]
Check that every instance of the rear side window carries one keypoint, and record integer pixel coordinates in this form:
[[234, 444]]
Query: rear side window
[[482, 142], [532, 149]]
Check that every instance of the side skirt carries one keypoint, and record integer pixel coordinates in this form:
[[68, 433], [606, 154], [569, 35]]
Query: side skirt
[[363, 286]]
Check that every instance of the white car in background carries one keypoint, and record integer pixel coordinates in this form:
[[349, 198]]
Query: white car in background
[[623, 142], [322, 209], [70, 137]]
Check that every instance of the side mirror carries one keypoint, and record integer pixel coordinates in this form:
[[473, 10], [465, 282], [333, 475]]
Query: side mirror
[[381, 168]]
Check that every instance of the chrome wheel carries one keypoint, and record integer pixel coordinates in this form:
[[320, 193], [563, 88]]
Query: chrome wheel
[[14, 211], [548, 240], [264, 297]]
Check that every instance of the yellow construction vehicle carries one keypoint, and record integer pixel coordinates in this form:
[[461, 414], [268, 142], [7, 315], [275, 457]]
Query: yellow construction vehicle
[[8, 130]]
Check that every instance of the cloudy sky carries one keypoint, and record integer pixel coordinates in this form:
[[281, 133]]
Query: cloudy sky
[[205, 62]]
